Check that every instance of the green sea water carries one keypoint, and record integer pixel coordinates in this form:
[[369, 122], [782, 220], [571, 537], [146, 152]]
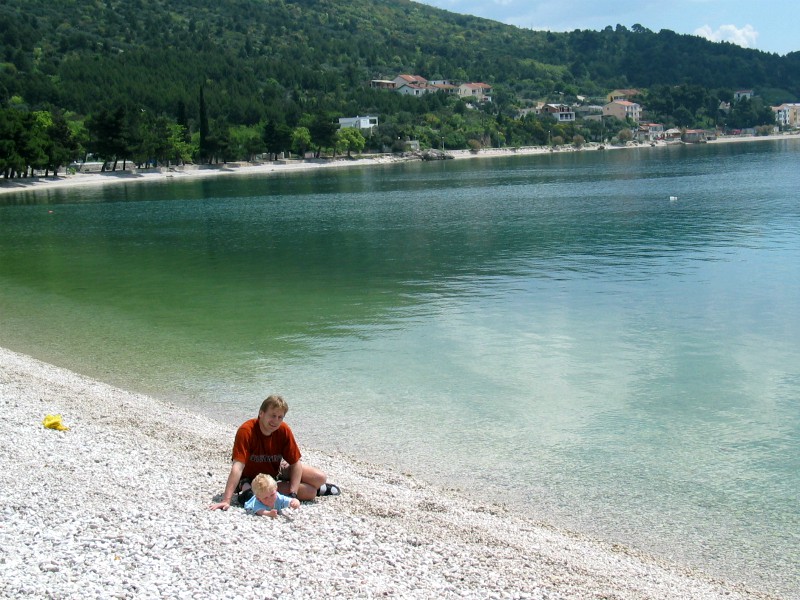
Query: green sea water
[[556, 331]]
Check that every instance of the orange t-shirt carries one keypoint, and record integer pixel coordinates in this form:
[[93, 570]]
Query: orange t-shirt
[[263, 453]]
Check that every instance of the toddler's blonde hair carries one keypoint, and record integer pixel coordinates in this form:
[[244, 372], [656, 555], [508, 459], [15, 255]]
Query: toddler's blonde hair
[[263, 485]]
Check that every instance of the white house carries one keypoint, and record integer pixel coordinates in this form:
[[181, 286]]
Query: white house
[[358, 122], [560, 112], [412, 89]]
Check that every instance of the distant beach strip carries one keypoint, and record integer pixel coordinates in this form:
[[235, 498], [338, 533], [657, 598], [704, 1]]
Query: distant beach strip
[[293, 165], [116, 506]]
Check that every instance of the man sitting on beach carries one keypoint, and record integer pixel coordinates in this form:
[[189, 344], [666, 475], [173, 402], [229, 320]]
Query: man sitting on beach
[[266, 444]]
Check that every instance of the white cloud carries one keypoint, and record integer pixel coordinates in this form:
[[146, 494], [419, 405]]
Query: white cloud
[[745, 37]]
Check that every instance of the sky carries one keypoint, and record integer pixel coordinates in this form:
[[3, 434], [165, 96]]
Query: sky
[[768, 25]]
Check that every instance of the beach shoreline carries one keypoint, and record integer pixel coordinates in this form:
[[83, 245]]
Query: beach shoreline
[[190, 172], [117, 507]]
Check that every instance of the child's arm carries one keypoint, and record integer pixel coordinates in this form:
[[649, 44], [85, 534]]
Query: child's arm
[[282, 502], [267, 513]]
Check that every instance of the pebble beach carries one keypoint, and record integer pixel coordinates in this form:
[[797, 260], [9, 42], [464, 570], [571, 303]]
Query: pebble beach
[[117, 507]]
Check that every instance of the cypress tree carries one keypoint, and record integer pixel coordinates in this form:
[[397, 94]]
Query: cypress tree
[[204, 150]]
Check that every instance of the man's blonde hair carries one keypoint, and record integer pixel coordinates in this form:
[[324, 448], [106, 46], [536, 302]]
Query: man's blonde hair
[[263, 485], [274, 401]]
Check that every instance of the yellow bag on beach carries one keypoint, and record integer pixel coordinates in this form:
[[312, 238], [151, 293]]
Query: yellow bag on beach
[[54, 422]]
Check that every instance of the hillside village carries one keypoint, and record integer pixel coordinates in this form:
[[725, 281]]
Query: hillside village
[[433, 117], [619, 104], [415, 85]]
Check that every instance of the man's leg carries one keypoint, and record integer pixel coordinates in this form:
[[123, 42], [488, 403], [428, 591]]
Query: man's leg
[[311, 480]]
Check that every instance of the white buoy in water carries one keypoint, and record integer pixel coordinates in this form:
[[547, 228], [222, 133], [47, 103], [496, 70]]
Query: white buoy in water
[[673, 198]]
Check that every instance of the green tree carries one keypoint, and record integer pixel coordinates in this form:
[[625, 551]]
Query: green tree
[[277, 137], [246, 141], [180, 150], [270, 136], [107, 131], [220, 143], [748, 113], [349, 139], [205, 150], [152, 140], [323, 132], [79, 133], [683, 117], [62, 147], [34, 150], [625, 135], [301, 140], [12, 140]]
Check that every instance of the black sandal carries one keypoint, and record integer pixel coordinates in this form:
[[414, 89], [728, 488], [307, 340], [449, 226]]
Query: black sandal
[[244, 495], [329, 489]]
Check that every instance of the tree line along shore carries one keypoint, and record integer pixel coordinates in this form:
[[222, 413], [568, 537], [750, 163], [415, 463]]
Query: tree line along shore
[[94, 177]]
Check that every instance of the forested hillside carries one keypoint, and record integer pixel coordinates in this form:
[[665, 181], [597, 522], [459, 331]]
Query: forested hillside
[[280, 61], [77, 54]]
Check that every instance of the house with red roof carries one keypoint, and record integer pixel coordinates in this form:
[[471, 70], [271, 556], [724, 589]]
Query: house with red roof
[[401, 80]]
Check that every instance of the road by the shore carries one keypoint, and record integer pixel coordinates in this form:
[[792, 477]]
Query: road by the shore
[[116, 507]]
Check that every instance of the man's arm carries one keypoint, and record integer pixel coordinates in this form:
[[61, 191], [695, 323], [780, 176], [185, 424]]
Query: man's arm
[[230, 487], [295, 475]]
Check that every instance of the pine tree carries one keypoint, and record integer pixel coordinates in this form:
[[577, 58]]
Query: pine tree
[[205, 154]]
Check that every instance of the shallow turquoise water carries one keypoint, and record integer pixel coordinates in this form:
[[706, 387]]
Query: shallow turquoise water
[[553, 328]]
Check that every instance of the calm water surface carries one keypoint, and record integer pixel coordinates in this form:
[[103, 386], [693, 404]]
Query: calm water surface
[[552, 329]]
